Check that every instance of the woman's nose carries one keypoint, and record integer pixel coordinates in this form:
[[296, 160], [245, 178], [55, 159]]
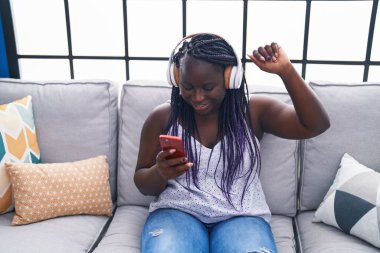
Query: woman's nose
[[198, 96]]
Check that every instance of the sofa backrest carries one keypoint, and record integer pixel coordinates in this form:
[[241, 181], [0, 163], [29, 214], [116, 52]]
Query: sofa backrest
[[137, 100], [74, 120], [279, 156], [354, 111], [279, 171]]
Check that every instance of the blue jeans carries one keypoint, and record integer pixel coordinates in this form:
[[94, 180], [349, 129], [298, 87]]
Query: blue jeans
[[174, 231]]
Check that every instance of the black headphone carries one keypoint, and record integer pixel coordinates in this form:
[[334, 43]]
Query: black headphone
[[233, 75]]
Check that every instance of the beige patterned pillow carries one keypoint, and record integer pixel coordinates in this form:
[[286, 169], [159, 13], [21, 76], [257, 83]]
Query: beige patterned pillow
[[44, 191]]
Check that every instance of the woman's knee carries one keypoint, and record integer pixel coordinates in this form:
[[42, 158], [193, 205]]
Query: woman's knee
[[242, 234], [169, 230]]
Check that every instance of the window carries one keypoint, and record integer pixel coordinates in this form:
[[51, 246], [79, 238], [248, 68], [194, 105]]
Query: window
[[96, 27], [37, 31], [132, 39]]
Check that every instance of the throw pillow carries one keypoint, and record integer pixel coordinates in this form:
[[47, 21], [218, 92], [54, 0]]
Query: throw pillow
[[352, 202], [18, 143], [44, 191]]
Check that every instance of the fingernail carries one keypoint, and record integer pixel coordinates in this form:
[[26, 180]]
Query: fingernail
[[190, 164], [262, 58], [171, 151], [274, 58], [276, 54]]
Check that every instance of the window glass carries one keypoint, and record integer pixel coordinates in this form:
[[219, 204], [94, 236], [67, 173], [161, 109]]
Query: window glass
[[154, 27], [113, 70], [224, 18], [44, 69], [38, 31], [97, 27], [375, 54], [148, 70], [257, 77], [277, 21], [374, 74], [339, 30], [334, 73]]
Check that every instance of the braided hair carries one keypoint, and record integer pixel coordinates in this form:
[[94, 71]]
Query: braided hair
[[234, 124]]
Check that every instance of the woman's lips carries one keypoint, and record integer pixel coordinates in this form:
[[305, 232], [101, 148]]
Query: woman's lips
[[201, 107]]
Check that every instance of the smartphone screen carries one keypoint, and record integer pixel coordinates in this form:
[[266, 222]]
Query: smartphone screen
[[173, 142]]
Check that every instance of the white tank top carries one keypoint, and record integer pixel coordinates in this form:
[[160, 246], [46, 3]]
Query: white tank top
[[208, 203]]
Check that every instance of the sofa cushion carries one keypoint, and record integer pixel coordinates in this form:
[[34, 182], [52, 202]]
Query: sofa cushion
[[351, 204], [279, 175], [279, 168], [74, 120], [74, 234], [354, 111], [18, 143], [319, 237], [44, 191], [282, 228], [124, 232]]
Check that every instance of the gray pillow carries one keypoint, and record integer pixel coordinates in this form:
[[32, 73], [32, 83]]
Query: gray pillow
[[351, 204]]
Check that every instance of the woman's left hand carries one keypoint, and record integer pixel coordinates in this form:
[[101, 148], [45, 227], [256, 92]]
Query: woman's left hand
[[271, 58]]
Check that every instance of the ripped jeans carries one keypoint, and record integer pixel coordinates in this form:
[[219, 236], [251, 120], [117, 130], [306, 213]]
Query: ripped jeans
[[174, 231]]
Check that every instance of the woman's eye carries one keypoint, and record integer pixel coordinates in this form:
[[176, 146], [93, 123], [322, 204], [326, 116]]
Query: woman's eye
[[187, 87]]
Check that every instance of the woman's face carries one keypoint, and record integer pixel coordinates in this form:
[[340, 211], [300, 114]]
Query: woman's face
[[202, 85]]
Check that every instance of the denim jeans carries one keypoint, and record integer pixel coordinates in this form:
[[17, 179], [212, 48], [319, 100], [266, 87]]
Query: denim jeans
[[174, 231]]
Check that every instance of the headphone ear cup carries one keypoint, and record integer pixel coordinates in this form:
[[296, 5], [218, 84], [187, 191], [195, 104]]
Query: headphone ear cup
[[227, 76], [232, 77], [172, 74], [236, 77], [176, 75], [169, 73]]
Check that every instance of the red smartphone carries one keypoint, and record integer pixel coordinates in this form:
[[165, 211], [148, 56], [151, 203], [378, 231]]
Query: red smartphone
[[172, 142]]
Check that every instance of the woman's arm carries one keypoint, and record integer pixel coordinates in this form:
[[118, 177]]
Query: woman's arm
[[153, 170], [306, 118]]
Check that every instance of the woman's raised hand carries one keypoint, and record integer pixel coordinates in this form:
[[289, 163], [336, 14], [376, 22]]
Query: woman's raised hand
[[271, 58]]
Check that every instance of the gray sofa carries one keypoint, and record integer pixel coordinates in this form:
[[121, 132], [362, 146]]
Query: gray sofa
[[81, 119]]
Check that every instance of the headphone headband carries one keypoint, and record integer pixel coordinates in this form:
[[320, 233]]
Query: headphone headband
[[233, 75]]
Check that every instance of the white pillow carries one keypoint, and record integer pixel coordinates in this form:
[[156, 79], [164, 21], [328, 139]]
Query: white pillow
[[352, 202]]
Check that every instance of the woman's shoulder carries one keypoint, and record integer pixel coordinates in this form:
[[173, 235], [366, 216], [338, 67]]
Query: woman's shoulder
[[159, 116], [258, 104], [163, 108]]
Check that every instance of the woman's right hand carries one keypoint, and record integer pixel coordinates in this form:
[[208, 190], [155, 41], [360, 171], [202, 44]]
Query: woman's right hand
[[171, 168]]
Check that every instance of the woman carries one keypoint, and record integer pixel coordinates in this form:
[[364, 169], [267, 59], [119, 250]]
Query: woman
[[212, 200]]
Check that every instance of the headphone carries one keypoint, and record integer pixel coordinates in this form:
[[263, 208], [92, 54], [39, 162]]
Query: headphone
[[233, 75]]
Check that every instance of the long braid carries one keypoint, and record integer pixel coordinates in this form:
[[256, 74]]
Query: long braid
[[234, 124]]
